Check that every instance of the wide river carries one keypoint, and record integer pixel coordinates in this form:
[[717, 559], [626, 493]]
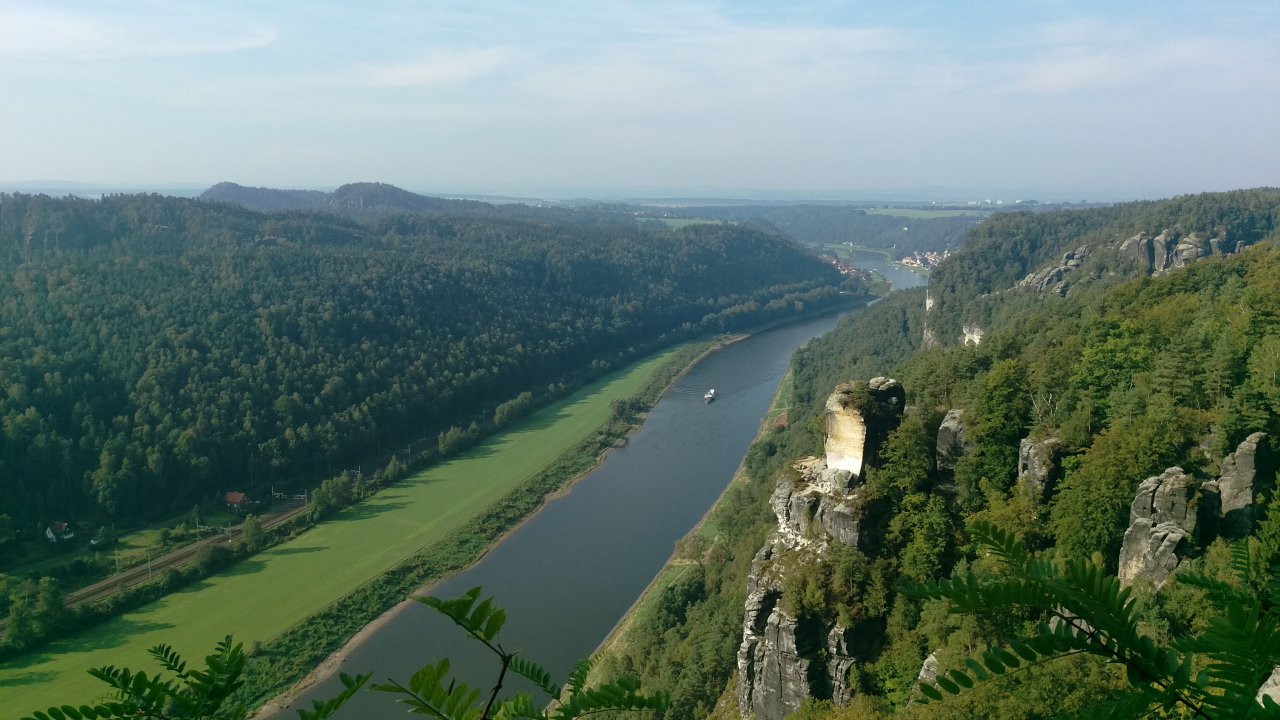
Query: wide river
[[567, 575]]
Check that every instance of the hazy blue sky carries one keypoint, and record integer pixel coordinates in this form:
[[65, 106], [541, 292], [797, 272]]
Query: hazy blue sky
[[1032, 99]]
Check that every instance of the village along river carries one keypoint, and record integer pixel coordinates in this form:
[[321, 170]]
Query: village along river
[[568, 574]]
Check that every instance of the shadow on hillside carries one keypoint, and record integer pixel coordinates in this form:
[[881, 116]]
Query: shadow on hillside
[[299, 550], [366, 510], [248, 566], [116, 633], [27, 678]]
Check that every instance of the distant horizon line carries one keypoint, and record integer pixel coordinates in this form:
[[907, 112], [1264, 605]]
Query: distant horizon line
[[941, 195]]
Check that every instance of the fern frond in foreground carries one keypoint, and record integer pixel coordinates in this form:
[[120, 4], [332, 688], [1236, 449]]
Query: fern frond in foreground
[[1086, 611], [430, 691]]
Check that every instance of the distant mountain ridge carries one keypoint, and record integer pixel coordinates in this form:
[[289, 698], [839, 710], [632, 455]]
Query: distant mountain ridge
[[366, 201], [361, 198], [264, 199]]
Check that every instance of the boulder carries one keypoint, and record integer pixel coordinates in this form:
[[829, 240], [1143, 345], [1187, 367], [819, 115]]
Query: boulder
[[1038, 466], [816, 506], [1161, 517]]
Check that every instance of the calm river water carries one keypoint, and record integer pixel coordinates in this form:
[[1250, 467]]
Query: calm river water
[[567, 575]]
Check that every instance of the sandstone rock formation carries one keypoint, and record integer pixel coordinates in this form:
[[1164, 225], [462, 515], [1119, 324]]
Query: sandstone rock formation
[[783, 659], [816, 506], [773, 677], [928, 675], [1054, 278], [857, 423], [1038, 465], [1171, 249], [1161, 517], [929, 337], [1246, 473], [953, 441]]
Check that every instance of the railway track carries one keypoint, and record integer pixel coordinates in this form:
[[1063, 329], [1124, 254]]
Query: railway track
[[139, 574]]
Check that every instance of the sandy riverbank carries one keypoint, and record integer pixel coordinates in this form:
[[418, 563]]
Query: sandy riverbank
[[327, 669]]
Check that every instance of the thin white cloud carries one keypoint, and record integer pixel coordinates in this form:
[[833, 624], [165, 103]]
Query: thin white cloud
[[715, 70], [36, 32], [1142, 63], [443, 67]]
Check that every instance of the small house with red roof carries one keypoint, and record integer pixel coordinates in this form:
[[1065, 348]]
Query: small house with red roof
[[236, 500]]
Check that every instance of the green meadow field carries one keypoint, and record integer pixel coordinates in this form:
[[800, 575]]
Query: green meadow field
[[261, 597]]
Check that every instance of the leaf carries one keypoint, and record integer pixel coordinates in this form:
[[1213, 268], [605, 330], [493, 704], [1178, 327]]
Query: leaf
[[976, 667], [169, 659], [998, 542], [946, 684], [482, 621], [321, 709], [536, 673], [578, 677], [621, 694], [960, 678]]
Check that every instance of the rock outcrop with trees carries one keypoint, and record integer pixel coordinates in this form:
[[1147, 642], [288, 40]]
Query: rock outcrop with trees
[[1128, 424]]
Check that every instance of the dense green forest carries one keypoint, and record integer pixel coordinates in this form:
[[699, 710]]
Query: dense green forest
[[1009, 246], [1131, 374], [157, 350]]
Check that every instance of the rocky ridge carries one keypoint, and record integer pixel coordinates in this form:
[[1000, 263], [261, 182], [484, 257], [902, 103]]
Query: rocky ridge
[[1173, 249], [1164, 252], [785, 659], [1054, 278]]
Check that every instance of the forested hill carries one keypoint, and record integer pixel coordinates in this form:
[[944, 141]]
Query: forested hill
[[1065, 252], [1047, 428], [156, 350], [373, 200]]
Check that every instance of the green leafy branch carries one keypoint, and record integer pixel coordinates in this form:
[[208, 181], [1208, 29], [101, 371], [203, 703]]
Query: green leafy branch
[[430, 691], [1088, 612], [188, 694]]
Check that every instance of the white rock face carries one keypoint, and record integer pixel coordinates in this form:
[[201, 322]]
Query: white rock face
[[846, 426], [972, 335], [1270, 688], [846, 435]]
